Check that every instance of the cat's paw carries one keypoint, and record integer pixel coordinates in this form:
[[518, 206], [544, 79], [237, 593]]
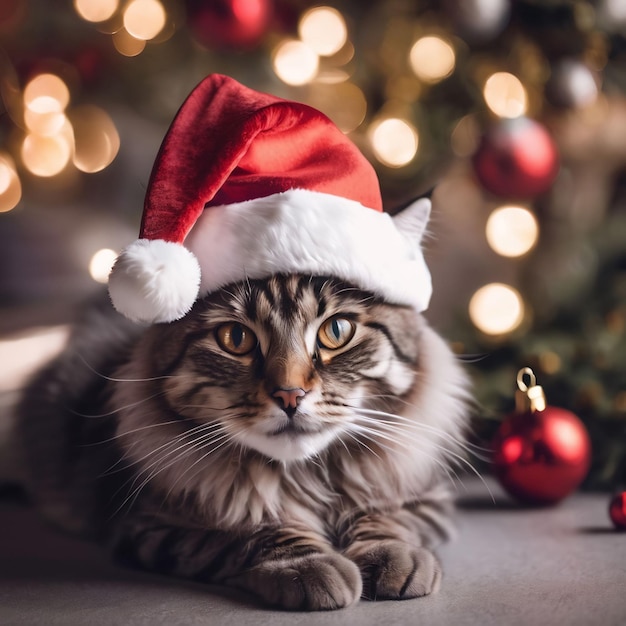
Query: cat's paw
[[317, 582], [393, 570]]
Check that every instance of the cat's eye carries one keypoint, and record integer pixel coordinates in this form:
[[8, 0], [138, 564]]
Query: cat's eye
[[235, 338], [335, 333]]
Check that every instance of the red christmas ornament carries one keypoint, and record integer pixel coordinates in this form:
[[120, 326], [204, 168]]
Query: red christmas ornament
[[516, 158], [229, 23], [540, 453], [617, 511]]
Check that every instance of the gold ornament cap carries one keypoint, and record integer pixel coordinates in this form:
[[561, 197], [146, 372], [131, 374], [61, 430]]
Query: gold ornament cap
[[529, 396]]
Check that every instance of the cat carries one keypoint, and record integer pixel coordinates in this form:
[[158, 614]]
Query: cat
[[291, 437]]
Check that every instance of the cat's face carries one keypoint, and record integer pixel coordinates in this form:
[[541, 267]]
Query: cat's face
[[282, 366]]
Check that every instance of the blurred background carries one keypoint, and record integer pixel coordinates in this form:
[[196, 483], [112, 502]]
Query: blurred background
[[511, 113]]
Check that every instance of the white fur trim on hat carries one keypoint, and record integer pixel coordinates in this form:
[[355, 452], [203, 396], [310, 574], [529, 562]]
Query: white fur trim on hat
[[154, 281], [303, 231]]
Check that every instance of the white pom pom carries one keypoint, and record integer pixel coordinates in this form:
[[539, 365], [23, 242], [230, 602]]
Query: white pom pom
[[154, 281]]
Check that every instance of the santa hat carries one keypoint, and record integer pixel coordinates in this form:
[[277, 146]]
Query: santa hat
[[247, 185]]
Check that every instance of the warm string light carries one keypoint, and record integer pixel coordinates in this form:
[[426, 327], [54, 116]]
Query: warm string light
[[131, 24], [96, 10], [321, 54], [86, 135], [394, 141], [47, 147], [505, 95], [126, 44], [432, 59], [496, 309], [144, 19], [322, 32], [55, 136], [10, 185], [96, 140], [512, 231], [46, 156], [295, 63], [101, 263]]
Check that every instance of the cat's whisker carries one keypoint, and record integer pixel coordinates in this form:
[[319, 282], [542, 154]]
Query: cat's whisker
[[120, 435], [391, 418], [412, 405], [172, 443], [343, 443], [193, 435], [120, 409], [352, 434], [128, 452], [184, 450], [121, 380], [414, 445], [120, 461], [419, 428], [374, 436], [462, 461], [207, 407], [471, 358], [198, 444], [422, 426], [402, 429], [225, 439]]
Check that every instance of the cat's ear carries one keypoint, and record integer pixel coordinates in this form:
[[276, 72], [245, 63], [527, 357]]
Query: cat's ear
[[412, 220]]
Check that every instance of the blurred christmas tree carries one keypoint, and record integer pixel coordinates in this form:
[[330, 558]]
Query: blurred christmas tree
[[515, 109]]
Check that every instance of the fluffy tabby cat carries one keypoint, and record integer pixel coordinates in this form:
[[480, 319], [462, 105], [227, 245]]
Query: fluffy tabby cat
[[290, 437]]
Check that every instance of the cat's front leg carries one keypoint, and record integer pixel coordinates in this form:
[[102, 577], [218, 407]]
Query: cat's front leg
[[389, 551], [289, 568]]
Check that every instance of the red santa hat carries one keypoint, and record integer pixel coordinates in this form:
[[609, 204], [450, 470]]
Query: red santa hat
[[247, 185]]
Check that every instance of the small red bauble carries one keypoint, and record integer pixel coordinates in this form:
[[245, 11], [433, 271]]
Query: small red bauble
[[516, 158], [617, 511], [229, 23], [540, 453]]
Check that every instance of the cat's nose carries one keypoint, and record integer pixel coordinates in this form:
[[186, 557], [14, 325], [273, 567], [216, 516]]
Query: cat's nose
[[288, 398]]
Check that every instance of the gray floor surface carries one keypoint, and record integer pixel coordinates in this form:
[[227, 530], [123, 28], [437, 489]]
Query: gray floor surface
[[508, 566]]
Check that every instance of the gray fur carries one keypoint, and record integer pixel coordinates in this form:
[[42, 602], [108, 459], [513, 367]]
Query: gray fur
[[174, 452]]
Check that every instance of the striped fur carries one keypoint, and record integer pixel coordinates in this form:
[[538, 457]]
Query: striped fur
[[176, 452]]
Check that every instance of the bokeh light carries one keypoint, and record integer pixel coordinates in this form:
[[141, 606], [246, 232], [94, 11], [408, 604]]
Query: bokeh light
[[512, 231], [324, 30], [44, 122], [96, 140], [46, 156], [496, 309], [505, 95], [96, 10], [394, 141], [432, 59], [144, 19], [126, 44], [46, 97], [101, 264], [295, 62], [10, 185], [46, 93]]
